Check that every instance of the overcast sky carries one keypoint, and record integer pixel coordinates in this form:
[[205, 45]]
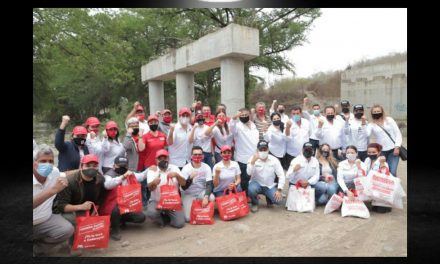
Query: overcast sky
[[342, 36]]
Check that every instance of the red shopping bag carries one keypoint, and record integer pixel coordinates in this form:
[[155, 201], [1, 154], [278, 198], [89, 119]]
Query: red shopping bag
[[242, 199], [91, 231], [201, 215], [229, 206], [129, 197], [169, 197]]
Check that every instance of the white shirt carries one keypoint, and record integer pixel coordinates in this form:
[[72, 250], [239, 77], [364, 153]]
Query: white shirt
[[111, 150], [43, 212], [180, 150], [356, 134], [151, 175], [198, 184], [314, 122], [347, 173], [144, 125], [227, 174], [277, 141], [298, 136], [200, 139], [95, 147], [264, 172], [339, 117], [376, 165], [221, 140], [112, 182], [246, 140], [382, 138], [332, 134], [309, 170]]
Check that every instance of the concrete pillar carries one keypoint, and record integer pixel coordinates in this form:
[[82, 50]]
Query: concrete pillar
[[184, 89], [232, 84], [155, 94]]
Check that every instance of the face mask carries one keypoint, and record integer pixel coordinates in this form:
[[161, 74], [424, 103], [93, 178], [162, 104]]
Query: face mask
[[325, 154], [200, 121], [277, 122], [135, 131], [372, 157], [245, 119], [307, 153], [316, 112], [153, 127], [330, 117], [351, 157], [79, 141], [184, 120], [112, 133], [281, 111], [206, 114], [345, 110], [44, 169], [167, 119], [197, 159], [263, 154], [226, 157], [121, 170], [163, 164], [221, 120], [141, 118], [296, 118], [96, 130], [377, 115], [358, 115], [261, 110], [90, 172]]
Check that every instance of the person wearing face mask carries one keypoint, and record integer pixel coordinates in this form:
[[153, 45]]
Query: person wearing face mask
[[92, 125], [350, 169], [198, 137], [111, 147], [246, 138], [345, 114], [261, 120], [304, 168], [314, 122], [85, 188], [297, 132], [164, 125], [94, 142], [198, 185], [209, 118], [379, 125], [331, 131], [70, 152], [48, 229], [139, 113], [327, 184], [113, 178], [158, 176], [277, 139], [221, 133], [130, 144], [356, 131], [179, 146], [226, 173], [280, 110], [263, 169]]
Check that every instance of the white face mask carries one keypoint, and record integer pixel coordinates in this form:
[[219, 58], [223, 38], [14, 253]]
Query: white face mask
[[184, 120], [351, 157], [316, 112], [263, 154]]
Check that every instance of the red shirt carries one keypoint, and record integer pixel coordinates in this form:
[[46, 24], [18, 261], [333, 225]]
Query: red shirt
[[152, 145]]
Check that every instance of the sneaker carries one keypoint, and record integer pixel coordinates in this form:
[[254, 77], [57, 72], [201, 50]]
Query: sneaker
[[115, 235], [383, 210], [254, 208], [75, 253]]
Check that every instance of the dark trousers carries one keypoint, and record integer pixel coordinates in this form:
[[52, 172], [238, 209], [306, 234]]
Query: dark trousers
[[116, 218], [336, 156], [362, 155], [315, 144], [288, 160], [244, 177]]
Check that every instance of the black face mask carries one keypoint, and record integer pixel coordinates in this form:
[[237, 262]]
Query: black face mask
[[281, 111], [121, 170], [330, 117], [325, 154], [358, 115], [153, 127], [377, 115], [79, 141], [277, 122], [90, 172], [307, 153], [163, 164], [245, 119], [135, 131], [345, 110], [372, 157], [200, 121]]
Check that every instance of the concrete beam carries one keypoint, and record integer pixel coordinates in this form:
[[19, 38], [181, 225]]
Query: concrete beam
[[232, 84], [184, 89], [156, 97]]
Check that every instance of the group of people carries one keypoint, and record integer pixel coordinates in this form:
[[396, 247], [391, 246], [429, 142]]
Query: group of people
[[204, 156]]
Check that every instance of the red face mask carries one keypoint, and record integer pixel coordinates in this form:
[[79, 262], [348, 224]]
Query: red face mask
[[261, 110], [167, 119], [141, 118], [111, 133], [197, 159], [226, 157], [206, 114], [221, 120]]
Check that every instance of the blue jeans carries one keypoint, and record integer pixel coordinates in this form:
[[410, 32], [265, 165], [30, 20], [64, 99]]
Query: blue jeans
[[244, 177], [221, 193], [255, 188], [218, 157], [324, 191], [208, 158], [392, 161]]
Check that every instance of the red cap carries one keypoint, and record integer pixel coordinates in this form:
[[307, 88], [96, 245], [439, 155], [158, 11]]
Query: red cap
[[161, 152], [92, 121], [79, 130], [140, 107], [184, 110], [111, 124], [89, 158], [152, 117], [226, 147]]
